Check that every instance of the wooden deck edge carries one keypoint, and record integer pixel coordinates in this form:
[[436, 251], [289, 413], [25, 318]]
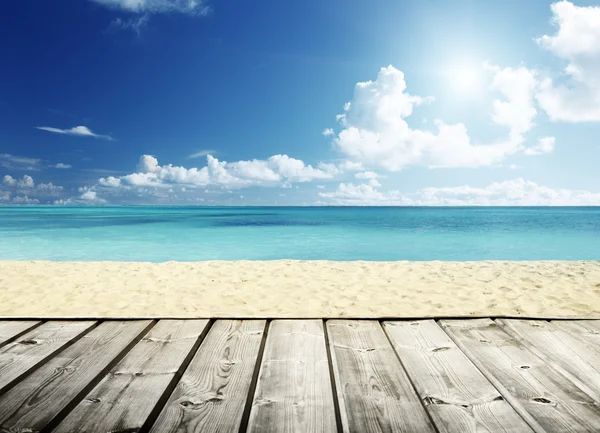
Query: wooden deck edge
[[285, 317]]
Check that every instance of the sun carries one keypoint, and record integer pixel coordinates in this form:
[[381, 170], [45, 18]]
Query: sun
[[464, 80]]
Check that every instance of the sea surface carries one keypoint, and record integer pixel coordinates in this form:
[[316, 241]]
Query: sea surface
[[158, 234]]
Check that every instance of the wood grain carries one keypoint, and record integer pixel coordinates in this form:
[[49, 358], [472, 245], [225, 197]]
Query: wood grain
[[545, 398], [10, 328], [571, 356], [211, 395], [294, 392], [30, 349], [588, 331], [374, 392], [34, 402], [459, 398], [123, 400]]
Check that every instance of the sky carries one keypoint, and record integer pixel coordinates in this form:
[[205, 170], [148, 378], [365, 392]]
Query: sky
[[231, 102]]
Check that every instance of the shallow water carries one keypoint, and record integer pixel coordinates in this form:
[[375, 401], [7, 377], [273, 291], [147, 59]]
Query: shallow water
[[158, 234]]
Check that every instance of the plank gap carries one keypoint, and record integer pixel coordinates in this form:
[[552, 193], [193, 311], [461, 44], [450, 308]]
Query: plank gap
[[154, 413], [336, 403], [254, 381], [92, 384], [410, 380], [35, 366], [34, 325]]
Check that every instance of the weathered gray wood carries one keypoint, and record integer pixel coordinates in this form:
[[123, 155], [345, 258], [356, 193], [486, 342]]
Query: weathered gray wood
[[293, 392], [10, 328], [124, 399], [211, 395], [374, 392], [547, 400], [588, 331], [28, 350], [36, 400], [569, 355], [459, 398]]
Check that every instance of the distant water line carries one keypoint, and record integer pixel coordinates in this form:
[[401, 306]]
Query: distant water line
[[158, 234]]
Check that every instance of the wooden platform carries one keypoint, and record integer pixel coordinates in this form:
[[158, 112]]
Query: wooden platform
[[304, 376]]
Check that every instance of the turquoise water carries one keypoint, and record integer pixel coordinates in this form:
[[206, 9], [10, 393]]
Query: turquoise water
[[160, 234]]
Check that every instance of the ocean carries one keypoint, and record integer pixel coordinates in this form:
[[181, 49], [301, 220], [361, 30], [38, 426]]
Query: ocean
[[159, 234]]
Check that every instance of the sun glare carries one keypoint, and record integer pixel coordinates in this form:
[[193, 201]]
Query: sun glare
[[464, 80]]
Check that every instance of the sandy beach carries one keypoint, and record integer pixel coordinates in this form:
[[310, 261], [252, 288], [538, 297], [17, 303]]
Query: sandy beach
[[300, 289]]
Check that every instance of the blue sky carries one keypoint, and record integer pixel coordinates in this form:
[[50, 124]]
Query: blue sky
[[300, 103]]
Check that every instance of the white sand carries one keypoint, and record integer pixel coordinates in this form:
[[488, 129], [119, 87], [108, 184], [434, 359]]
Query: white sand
[[296, 289]]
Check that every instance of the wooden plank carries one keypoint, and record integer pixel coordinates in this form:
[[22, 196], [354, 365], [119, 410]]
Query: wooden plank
[[211, 395], [26, 352], [34, 402], [546, 399], [123, 400], [10, 328], [374, 392], [587, 331], [459, 398], [293, 392], [569, 355]]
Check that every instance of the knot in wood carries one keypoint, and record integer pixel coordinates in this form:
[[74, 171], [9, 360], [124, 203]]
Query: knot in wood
[[28, 342], [541, 400], [93, 400], [440, 349]]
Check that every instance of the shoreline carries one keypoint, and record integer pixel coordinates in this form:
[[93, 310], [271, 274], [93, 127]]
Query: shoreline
[[300, 289]]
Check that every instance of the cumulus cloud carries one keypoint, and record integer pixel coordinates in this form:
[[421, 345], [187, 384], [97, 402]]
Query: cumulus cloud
[[19, 162], [377, 134], [350, 194], [192, 7], [151, 177], [25, 200], [576, 41], [328, 131], [26, 191], [516, 192], [366, 175], [545, 145], [517, 110], [62, 166], [82, 131]]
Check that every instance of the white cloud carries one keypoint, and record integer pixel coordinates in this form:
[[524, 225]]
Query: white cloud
[[544, 146], [377, 135], [366, 175], [26, 182], [320, 186], [328, 132], [364, 195], [192, 7], [24, 190], [517, 192], [577, 41], [202, 153], [19, 162], [134, 24], [517, 111], [63, 166], [88, 195], [82, 131], [9, 180], [25, 200], [151, 177]]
